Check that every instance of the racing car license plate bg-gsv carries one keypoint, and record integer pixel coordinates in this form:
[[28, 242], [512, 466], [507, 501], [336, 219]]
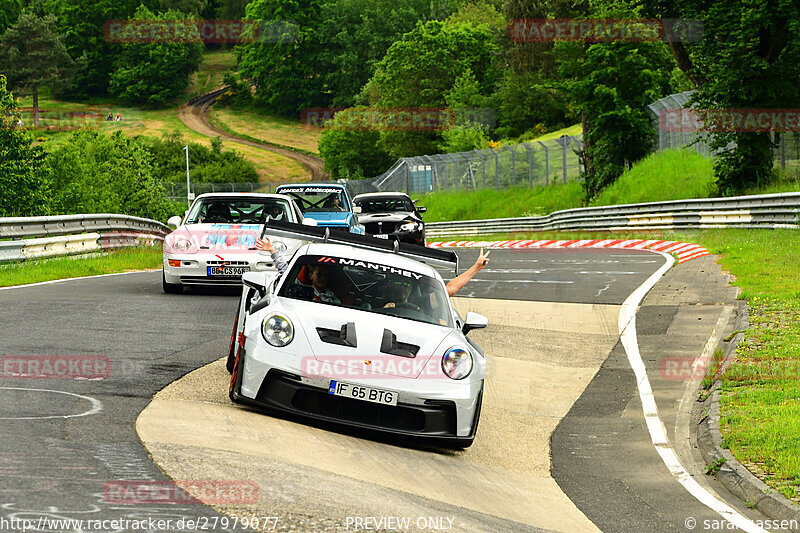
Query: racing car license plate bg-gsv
[[359, 392], [227, 271]]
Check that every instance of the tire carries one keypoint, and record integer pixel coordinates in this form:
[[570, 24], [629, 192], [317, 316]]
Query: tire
[[236, 379], [232, 348], [170, 288]]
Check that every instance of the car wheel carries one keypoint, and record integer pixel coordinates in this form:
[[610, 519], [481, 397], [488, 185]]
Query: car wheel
[[236, 377], [232, 348], [170, 288]]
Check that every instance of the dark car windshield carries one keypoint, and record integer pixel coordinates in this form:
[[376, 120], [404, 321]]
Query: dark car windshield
[[317, 199], [372, 287], [220, 210], [386, 204]]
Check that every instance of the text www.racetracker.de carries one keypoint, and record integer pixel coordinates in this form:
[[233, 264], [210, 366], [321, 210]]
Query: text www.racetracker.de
[[202, 523]]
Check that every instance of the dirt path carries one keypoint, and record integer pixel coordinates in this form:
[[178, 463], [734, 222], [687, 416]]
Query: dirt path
[[193, 114]]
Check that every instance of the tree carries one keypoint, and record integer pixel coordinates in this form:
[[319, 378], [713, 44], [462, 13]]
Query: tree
[[24, 176], [354, 36], [152, 73], [284, 63], [33, 56], [9, 11], [97, 173], [421, 69], [352, 152], [748, 57], [83, 22]]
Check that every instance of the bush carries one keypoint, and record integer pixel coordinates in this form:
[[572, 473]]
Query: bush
[[95, 173], [206, 165]]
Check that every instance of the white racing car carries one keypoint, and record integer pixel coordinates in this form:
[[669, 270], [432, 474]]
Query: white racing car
[[361, 332], [215, 243]]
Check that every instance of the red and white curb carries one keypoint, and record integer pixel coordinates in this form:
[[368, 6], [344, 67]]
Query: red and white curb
[[684, 251]]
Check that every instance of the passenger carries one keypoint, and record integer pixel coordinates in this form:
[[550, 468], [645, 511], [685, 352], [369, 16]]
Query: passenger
[[266, 245], [457, 283]]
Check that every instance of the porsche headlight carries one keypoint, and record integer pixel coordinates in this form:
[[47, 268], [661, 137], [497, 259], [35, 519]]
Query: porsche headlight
[[277, 330], [409, 226], [457, 363], [182, 244], [280, 246]]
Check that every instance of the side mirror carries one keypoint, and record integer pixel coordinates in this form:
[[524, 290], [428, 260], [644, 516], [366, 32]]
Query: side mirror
[[259, 282], [357, 209], [309, 221], [474, 321], [421, 209], [174, 222]]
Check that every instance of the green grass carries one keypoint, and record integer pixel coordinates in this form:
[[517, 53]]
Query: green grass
[[125, 260], [491, 203], [212, 68], [663, 176], [573, 130], [260, 127]]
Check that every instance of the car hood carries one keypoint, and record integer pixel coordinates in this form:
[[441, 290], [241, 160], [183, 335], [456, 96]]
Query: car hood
[[366, 358], [387, 217], [329, 218], [219, 237]]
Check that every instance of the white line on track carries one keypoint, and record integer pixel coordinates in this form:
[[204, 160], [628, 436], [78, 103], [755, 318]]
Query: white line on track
[[97, 405], [52, 281], [658, 435]]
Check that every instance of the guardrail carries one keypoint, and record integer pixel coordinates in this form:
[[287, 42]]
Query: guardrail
[[760, 211], [41, 237]]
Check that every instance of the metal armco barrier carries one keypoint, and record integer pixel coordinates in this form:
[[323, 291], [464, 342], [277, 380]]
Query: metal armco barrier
[[760, 211], [42, 237]]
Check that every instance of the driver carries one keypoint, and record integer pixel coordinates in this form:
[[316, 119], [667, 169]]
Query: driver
[[274, 212], [219, 213], [318, 274], [401, 291]]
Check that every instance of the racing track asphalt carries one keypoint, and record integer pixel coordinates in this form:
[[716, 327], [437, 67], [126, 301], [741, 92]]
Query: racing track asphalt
[[57, 467]]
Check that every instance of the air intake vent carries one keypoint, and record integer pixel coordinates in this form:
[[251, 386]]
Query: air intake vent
[[346, 336], [390, 345]]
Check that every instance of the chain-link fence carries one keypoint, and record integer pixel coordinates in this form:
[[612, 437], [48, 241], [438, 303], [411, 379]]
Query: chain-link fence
[[519, 165], [177, 191], [677, 127]]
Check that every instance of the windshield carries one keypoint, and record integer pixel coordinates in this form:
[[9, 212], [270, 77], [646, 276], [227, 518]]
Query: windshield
[[217, 210], [317, 199], [386, 205], [368, 286]]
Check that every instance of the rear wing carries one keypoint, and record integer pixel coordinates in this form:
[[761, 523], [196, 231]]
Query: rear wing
[[431, 256]]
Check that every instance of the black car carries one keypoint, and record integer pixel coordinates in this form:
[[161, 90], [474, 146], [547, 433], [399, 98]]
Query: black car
[[391, 215]]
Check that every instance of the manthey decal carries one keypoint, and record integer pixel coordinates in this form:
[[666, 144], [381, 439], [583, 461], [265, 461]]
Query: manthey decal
[[370, 266]]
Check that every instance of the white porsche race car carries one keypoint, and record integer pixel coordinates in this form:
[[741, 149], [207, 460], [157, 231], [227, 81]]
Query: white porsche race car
[[215, 242], [361, 332]]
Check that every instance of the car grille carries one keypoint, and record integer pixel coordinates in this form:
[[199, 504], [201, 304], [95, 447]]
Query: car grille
[[203, 280], [214, 263], [377, 228], [284, 391]]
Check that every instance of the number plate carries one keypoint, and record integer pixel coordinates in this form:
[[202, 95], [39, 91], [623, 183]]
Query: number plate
[[227, 270], [359, 392], [381, 236]]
